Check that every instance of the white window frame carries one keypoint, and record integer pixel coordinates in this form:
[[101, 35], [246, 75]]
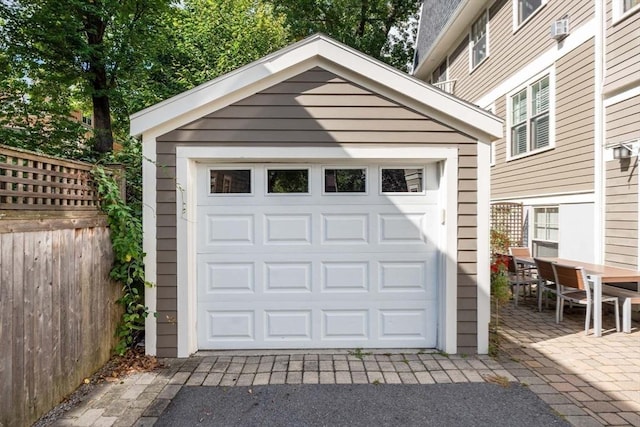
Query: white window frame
[[472, 67], [516, 23], [535, 239], [232, 167], [340, 194], [291, 166], [401, 193], [552, 113], [446, 71], [619, 14]]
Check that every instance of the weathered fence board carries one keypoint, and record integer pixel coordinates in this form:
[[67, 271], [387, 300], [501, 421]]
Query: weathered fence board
[[58, 314]]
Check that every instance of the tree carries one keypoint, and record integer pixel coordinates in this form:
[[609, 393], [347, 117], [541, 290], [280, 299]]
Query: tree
[[80, 45], [383, 29], [203, 39]]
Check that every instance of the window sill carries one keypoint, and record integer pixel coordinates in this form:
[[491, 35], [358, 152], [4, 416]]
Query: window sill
[[516, 26], [472, 69], [531, 153], [623, 16]]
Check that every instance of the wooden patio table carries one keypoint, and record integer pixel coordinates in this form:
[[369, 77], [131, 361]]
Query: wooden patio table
[[600, 274]]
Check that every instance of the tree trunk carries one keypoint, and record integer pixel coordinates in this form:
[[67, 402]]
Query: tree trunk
[[102, 123]]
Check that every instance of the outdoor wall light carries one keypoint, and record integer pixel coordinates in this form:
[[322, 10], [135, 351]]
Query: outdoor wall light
[[622, 151]]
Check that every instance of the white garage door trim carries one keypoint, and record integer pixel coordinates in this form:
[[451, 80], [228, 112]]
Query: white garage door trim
[[186, 158]]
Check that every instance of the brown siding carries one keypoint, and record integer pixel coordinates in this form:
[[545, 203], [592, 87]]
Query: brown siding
[[314, 108], [509, 51], [569, 166], [621, 203], [622, 53]]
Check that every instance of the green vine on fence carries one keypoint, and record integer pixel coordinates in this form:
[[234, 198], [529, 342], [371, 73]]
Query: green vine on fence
[[128, 267]]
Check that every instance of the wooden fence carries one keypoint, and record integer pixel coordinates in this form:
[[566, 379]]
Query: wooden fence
[[58, 310]]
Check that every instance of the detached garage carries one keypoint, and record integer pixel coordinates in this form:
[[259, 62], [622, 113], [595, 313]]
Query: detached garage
[[316, 198]]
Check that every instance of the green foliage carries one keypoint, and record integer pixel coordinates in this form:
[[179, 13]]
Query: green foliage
[[362, 24], [128, 268], [500, 281], [201, 40], [499, 241]]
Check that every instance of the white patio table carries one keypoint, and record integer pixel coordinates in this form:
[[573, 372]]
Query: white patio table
[[599, 274]]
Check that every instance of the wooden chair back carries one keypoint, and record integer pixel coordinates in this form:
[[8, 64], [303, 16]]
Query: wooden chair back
[[522, 252], [569, 276], [545, 270], [512, 267]]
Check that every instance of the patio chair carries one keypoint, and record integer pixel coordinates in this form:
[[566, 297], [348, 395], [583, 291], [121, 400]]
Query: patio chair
[[520, 251], [573, 286], [546, 281], [519, 276]]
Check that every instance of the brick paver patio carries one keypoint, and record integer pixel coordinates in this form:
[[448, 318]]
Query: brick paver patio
[[590, 381]]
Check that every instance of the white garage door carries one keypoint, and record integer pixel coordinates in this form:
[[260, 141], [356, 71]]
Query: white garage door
[[317, 256]]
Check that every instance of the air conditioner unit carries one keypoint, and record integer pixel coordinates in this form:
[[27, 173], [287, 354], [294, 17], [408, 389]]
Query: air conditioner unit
[[560, 29]]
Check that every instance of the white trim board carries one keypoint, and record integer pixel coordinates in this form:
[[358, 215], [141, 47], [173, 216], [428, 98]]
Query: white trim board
[[149, 240], [550, 199], [186, 160], [317, 50], [623, 96]]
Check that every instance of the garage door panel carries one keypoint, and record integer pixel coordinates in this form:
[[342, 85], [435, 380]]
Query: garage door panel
[[317, 270], [287, 229]]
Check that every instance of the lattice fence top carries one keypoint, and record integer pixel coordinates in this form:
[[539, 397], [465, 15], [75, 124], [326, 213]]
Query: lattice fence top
[[508, 218], [30, 181]]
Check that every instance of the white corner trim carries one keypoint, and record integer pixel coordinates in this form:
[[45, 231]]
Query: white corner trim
[[186, 199], [149, 241], [450, 253], [599, 170], [577, 37], [484, 282]]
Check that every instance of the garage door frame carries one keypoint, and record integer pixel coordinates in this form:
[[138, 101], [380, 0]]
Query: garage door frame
[[187, 158]]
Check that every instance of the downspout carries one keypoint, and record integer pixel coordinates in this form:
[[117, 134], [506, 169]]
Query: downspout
[[599, 167]]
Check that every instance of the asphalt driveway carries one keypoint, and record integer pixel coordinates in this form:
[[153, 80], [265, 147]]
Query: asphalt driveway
[[462, 404]]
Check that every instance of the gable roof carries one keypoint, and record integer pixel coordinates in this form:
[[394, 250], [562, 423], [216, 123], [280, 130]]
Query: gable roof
[[317, 51]]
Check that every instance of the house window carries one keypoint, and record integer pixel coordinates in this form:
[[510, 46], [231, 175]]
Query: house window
[[624, 8], [526, 8], [627, 5], [440, 74], [478, 40], [545, 231], [530, 119]]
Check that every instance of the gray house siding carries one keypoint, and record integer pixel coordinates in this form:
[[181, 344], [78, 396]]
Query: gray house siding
[[313, 108]]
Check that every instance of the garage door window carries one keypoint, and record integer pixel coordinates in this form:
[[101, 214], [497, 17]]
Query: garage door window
[[288, 181], [230, 181], [401, 180], [345, 180]]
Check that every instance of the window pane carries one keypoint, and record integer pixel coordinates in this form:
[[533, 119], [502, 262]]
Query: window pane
[[526, 8], [540, 131], [519, 107], [401, 180], [479, 50], [540, 96], [545, 249], [230, 181], [628, 4], [344, 180], [288, 181], [519, 139]]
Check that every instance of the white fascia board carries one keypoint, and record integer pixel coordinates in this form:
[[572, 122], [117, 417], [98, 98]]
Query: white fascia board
[[411, 92], [208, 92], [317, 51], [457, 26]]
